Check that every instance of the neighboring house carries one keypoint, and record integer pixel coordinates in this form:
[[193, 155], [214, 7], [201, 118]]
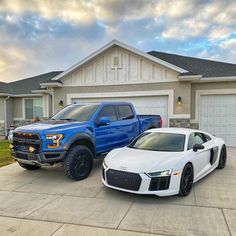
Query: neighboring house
[[185, 91], [23, 100]]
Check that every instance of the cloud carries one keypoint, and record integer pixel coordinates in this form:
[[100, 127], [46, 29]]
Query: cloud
[[41, 35]]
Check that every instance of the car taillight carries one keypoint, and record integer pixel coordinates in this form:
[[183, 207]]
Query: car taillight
[[160, 122]]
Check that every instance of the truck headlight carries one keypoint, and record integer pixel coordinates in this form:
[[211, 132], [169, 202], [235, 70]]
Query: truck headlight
[[159, 173], [54, 140]]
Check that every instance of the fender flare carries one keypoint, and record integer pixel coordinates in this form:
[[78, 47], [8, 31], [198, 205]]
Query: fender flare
[[77, 138]]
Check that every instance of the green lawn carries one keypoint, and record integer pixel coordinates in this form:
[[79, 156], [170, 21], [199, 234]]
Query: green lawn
[[5, 156]]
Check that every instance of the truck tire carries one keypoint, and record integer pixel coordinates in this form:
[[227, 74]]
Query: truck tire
[[78, 163], [28, 166]]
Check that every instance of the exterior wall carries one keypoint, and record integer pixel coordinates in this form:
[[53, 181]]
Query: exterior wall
[[9, 111], [206, 86], [119, 66], [180, 89], [18, 112], [2, 125]]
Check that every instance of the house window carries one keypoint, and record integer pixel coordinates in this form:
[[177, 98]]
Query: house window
[[33, 108]]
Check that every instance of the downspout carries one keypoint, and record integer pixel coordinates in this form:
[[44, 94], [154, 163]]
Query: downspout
[[5, 114]]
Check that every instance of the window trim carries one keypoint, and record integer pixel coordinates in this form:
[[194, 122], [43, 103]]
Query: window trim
[[23, 107], [206, 140], [118, 113], [98, 115]]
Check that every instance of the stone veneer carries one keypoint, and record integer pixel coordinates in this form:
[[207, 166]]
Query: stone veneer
[[180, 123]]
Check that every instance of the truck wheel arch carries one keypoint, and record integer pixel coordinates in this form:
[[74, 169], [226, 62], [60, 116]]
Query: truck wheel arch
[[84, 140]]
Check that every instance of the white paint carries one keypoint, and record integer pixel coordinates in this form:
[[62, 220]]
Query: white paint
[[152, 102], [124, 46], [131, 69], [218, 116]]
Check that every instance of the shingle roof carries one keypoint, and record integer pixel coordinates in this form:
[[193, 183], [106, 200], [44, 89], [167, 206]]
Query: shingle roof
[[197, 66], [25, 86], [4, 87]]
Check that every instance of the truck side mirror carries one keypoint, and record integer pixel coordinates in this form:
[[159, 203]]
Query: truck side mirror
[[103, 121], [197, 147]]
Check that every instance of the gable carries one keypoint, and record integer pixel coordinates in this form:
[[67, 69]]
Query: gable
[[117, 65]]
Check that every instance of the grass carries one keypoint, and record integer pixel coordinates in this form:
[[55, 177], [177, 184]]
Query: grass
[[5, 155]]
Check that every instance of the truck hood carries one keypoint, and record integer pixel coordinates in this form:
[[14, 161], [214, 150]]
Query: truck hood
[[51, 126], [139, 161]]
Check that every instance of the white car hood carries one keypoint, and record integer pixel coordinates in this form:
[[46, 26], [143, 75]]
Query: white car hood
[[139, 161]]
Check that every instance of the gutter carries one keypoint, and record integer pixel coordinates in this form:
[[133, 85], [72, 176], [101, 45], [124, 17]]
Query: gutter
[[5, 114]]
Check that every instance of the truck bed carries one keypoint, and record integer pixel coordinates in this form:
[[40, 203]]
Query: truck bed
[[149, 121]]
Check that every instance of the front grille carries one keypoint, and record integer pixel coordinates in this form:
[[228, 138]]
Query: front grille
[[122, 179], [22, 156], [22, 141], [159, 183]]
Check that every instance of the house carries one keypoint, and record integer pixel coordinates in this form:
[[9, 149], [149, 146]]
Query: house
[[22, 100], [186, 91]]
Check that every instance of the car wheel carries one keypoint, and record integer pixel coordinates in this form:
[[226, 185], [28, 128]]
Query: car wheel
[[28, 166], [223, 158], [78, 163], [186, 182]]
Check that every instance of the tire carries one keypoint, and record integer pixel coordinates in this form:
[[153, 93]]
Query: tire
[[186, 181], [78, 163], [223, 158], [28, 166]]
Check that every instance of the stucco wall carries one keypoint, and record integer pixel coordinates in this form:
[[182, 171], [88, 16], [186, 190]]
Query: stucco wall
[[1, 108], [180, 89], [17, 107]]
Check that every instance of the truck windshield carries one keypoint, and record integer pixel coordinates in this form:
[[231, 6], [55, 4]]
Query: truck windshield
[[76, 112], [163, 142]]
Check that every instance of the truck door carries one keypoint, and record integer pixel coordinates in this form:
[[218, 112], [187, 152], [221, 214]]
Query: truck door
[[128, 123], [107, 136]]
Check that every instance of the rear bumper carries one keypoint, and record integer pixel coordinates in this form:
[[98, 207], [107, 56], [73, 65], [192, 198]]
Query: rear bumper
[[38, 159]]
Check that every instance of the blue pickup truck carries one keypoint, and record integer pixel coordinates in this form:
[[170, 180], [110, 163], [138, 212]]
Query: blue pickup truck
[[77, 134]]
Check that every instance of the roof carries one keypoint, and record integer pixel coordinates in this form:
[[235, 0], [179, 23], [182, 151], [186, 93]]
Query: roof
[[25, 86], [4, 87], [173, 130], [197, 66]]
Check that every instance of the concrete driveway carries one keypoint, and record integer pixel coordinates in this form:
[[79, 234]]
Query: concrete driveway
[[45, 202]]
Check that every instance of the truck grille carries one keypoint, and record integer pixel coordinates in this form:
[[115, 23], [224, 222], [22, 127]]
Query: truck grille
[[22, 141], [122, 179]]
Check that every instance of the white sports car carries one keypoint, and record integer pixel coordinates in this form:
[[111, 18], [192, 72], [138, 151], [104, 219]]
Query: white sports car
[[164, 162]]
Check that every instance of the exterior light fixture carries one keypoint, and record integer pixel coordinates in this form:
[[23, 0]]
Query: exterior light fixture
[[179, 100], [61, 103]]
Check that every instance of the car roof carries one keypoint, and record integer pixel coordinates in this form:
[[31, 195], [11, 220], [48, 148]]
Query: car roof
[[174, 130]]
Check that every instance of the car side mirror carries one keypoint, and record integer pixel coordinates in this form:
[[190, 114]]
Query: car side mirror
[[197, 147], [103, 121]]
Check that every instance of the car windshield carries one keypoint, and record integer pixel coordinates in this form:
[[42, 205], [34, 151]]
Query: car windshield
[[76, 112], [156, 141]]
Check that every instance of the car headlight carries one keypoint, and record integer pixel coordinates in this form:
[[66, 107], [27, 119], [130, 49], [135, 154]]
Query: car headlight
[[105, 165], [54, 140], [159, 173]]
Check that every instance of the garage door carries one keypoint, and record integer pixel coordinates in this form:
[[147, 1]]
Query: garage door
[[155, 105], [218, 116]]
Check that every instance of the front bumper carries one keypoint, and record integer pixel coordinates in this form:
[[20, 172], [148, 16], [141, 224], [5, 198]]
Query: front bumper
[[38, 159], [144, 188]]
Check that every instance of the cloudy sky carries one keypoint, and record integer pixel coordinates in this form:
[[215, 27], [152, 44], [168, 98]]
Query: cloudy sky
[[38, 36]]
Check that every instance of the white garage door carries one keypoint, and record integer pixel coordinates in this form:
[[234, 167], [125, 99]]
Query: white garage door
[[154, 105], [218, 116]]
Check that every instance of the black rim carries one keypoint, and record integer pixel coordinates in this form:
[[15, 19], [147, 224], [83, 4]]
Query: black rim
[[223, 157], [82, 163], [187, 180]]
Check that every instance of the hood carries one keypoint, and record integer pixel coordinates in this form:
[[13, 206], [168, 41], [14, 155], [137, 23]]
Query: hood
[[138, 161], [51, 125]]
